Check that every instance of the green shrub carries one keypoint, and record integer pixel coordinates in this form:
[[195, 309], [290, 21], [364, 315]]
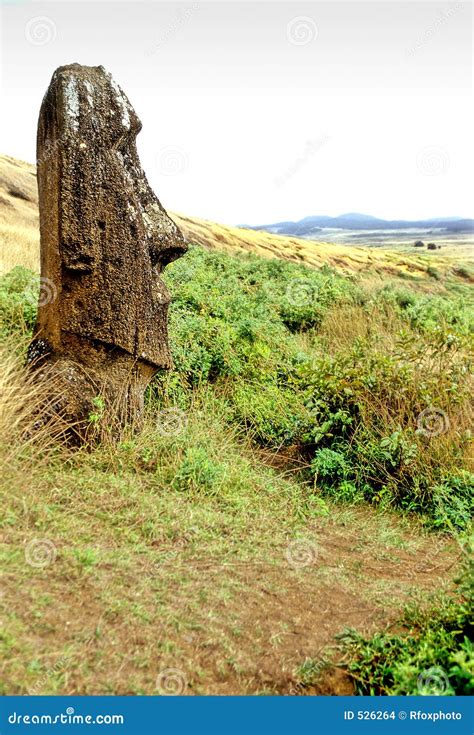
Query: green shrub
[[452, 501], [198, 472], [273, 415], [19, 292], [329, 465], [434, 656], [427, 313]]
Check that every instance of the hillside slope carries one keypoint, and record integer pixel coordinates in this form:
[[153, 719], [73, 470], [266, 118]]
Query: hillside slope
[[302, 471], [19, 236]]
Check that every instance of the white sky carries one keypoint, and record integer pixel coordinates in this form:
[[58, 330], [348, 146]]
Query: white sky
[[250, 116]]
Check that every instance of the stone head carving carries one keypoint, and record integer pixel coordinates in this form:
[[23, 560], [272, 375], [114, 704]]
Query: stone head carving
[[105, 238]]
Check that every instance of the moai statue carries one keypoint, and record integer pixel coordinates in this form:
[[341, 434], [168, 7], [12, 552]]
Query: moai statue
[[105, 238]]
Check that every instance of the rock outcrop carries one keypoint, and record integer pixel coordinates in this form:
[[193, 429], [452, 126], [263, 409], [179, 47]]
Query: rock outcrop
[[105, 239]]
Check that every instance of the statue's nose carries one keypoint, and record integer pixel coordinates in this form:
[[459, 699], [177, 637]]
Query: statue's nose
[[166, 241]]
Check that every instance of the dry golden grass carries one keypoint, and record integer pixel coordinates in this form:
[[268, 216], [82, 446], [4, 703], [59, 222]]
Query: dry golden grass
[[19, 245], [345, 258], [19, 222], [28, 434], [342, 326], [19, 237]]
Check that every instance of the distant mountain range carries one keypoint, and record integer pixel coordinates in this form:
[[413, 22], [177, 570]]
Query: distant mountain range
[[309, 226]]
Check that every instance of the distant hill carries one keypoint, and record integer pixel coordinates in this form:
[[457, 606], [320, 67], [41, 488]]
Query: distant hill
[[308, 226]]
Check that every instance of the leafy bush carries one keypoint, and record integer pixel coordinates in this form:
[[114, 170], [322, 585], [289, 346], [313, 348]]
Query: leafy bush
[[432, 312], [329, 465], [434, 656], [19, 291], [198, 472]]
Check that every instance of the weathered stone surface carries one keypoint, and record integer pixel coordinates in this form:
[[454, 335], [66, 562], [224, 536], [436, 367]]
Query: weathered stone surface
[[105, 238]]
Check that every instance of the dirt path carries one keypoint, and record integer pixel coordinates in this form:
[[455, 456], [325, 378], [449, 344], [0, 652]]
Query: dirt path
[[285, 614], [232, 628]]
